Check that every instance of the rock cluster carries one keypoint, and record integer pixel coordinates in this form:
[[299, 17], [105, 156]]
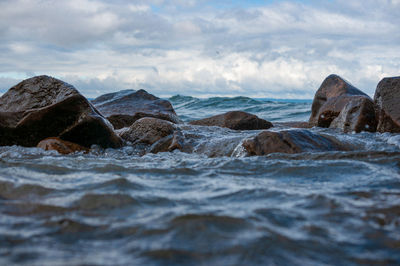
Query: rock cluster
[[338, 104], [48, 113]]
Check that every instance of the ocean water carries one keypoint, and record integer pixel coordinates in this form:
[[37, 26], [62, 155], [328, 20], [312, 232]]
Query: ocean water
[[190, 108], [214, 206]]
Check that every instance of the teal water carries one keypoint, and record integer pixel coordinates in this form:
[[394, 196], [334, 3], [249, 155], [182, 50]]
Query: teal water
[[190, 108]]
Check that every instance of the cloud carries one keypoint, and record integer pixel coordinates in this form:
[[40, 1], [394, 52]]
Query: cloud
[[281, 49]]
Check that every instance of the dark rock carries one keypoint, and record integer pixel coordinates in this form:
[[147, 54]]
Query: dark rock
[[162, 145], [356, 116], [123, 108], [208, 141], [294, 124], [169, 143], [147, 130], [155, 135], [291, 141], [336, 98], [387, 101], [236, 120], [43, 106], [61, 146]]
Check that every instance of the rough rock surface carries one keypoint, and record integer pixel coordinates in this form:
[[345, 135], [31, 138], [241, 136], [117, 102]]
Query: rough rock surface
[[169, 143], [43, 106], [208, 141], [236, 120], [387, 101], [61, 146], [290, 141], [335, 96], [147, 130], [356, 116], [123, 108]]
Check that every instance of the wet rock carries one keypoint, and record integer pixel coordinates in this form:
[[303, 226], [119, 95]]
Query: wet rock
[[162, 145], [236, 120], [294, 124], [123, 108], [387, 101], [169, 143], [147, 130], [356, 116], [291, 141], [338, 98], [43, 106], [208, 141], [61, 146]]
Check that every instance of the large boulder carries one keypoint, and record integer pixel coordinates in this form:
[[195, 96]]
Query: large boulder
[[147, 130], [43, 106], [236, 120], [338, 104], [291, 141], [387, 101], [123, 108]]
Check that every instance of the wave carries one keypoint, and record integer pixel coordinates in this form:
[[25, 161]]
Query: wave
[[175, 208], [191, 108]]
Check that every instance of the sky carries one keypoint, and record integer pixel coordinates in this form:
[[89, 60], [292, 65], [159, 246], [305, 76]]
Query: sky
[[201, 48]]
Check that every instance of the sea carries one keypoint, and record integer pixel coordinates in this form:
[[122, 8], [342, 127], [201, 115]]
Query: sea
[[214, 206]]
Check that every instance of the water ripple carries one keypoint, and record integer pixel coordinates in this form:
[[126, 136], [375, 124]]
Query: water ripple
[[114, 207]]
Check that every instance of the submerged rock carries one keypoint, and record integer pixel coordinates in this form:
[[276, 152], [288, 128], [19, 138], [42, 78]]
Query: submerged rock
[[291, 141], [338, 104], [123, 108], [387, 101], [162, 136], [43, 106], [175, 141], [61, 146], [208, 141], [147, 130], [236, 120]]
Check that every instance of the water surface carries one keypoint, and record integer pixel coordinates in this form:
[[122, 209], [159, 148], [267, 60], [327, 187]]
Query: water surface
[[114, 207]]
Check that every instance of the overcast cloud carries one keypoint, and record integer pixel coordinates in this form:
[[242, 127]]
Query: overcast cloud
[[278, 49]]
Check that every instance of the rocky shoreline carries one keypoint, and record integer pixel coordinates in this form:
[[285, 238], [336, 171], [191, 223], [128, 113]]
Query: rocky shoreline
[[48, 113]]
